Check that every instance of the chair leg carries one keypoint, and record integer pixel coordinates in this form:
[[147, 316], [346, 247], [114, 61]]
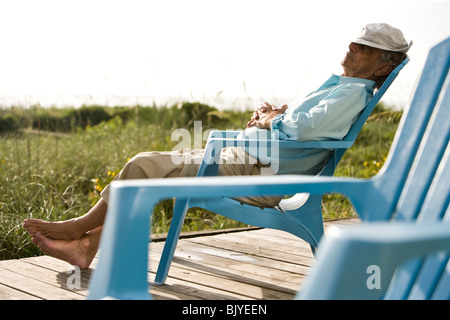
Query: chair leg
[[314, 250], [179, 213], [309, 216], [122, 270]]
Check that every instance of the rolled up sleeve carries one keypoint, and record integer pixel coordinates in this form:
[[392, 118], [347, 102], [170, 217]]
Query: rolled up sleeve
[[323, 117]]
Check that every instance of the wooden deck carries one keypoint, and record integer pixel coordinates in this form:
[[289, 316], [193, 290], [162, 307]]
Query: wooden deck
[[256, 264]]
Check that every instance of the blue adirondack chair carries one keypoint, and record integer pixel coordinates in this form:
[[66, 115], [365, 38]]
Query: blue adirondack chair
[[418, 162], [300, 214], [370, 262], [411, 250]]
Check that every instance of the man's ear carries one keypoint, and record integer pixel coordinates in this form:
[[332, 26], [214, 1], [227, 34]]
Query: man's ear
[[383, 69]]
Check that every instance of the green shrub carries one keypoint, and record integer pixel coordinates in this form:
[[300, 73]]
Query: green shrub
[[8, 124]]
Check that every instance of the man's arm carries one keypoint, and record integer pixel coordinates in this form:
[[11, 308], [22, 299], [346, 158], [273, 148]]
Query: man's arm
[[328, 118]]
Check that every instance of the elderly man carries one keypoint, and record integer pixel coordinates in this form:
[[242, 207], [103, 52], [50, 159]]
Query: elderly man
[[326, 113]]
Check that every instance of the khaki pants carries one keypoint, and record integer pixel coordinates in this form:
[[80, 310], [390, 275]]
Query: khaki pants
[[233, 162]]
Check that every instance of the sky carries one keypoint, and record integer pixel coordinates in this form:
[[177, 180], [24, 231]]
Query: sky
[[232, 54]]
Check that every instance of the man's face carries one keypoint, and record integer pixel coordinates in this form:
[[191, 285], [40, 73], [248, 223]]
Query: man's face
[[361, 61]]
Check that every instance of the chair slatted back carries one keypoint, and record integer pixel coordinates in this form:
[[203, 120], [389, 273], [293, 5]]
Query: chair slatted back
[[399, 189], [425, 195]]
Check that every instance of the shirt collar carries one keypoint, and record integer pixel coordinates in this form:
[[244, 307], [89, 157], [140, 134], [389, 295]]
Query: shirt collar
[[336, 79], [369, 83]]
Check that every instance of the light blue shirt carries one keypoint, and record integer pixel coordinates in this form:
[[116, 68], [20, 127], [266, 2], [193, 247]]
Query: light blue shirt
[[327, 113]]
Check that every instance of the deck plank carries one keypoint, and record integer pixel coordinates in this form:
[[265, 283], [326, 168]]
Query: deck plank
[[36, 287], [230, 263], [253, 264]]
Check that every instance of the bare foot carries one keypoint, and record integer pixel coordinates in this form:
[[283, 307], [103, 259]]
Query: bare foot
[[78, 252], [61, 230]]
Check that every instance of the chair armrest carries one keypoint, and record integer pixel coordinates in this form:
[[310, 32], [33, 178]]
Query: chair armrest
[[224, 134], [348, 257], [229, 139], [316, 144], [122, 273], [218, 140]]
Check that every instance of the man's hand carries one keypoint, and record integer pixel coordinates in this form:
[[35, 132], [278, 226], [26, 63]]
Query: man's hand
[[263, 116]]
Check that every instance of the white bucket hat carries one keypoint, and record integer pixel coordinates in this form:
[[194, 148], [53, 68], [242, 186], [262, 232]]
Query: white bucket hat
[[383, 36]]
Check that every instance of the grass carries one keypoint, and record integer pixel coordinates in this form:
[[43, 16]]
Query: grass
[[55, 162]]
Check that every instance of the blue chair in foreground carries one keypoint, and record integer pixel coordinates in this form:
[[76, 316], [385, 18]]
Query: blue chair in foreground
[[407, 256], [300, 214], [380, 261], [408, 259], [412, 186]]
